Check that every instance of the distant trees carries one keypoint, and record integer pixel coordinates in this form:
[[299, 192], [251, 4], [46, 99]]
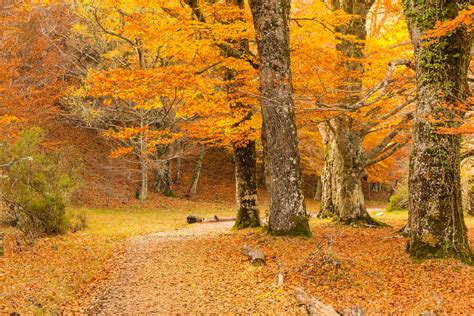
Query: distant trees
[[134, 84], [436, 220], [287, 207]]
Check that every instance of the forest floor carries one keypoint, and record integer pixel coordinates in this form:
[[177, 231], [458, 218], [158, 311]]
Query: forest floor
[[121, 265]]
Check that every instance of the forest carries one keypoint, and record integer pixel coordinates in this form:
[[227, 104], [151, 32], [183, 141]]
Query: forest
[[300, 157]]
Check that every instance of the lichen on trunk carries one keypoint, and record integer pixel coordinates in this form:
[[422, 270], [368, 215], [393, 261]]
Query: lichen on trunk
[[246, 186], [436, 222], [287, 208]]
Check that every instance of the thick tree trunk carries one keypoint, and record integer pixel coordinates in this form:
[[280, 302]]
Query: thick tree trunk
[[197, 171], [162, 181], [142, 186], [344, 161], [287, 208], [436, 222], [347, 171], [246, 186]]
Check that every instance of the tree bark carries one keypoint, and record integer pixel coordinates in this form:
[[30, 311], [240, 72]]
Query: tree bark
[[197, 171], [318, 190], [246, 186], [287, 208], [142, 187], [436, 222], [179, 162], [327, 207], [348, 170], [162, 181]]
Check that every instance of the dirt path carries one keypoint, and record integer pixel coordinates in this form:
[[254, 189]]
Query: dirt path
[[185, 271]]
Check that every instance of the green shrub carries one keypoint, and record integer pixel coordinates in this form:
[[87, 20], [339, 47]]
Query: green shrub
[[399, 200], [77, 220], [36, 184]]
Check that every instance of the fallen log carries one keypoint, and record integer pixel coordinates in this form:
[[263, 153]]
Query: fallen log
[[191, 219], [312, 305], [257, 257]]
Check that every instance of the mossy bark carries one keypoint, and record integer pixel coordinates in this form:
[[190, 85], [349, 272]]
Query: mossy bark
[[287, 208], [246, 186], [436, 223]]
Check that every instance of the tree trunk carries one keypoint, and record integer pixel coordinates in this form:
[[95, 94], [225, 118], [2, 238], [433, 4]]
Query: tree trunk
[[197, 171], [327, 208], [344, 161], [347, 171], [287, 208], [436, 222], [162, 181], [246, 186], [179, 162], [470, 202], [142, 187], [318, 190]]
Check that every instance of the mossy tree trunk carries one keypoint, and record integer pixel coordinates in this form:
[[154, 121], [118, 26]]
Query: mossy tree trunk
[[246, 186], [287, 208], [436, 222], [244, 154]]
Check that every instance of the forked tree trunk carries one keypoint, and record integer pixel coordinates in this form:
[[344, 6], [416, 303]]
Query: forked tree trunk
[[344, 165], [348, 170], [436, 222], [197, 171], [142, 186], [287, 208], [246, 186]]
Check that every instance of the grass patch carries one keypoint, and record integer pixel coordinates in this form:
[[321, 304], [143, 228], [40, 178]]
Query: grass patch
[[122, 223], [54, 271]]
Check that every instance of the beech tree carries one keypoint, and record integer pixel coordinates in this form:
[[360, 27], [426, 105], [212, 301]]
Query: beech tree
[[287, 207], [436, 222], [235, 126], [360, 106]]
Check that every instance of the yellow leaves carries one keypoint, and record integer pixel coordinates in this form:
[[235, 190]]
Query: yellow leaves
[[122, 151], [7, 119]]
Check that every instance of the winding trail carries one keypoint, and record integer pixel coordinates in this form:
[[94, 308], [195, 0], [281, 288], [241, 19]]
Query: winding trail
[[192, 270]]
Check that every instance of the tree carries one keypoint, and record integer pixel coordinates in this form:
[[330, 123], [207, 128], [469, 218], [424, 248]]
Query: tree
[[236, 124], [134, 84], [287, 208], [358, 106], [436, 222]]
